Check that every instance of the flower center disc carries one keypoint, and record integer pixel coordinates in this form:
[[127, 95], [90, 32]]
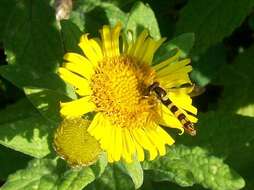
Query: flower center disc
[[119, 88]]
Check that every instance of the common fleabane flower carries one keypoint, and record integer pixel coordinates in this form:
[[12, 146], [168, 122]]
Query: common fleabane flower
[[112, 82]]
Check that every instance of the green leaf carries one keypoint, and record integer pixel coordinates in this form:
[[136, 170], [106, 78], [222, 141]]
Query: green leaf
[[47, 102], [114, 14], [135, 171], [183, 42], [206, 66], [142, 17], [6, 7], [93, 20], [188, 166], [71, 35], [24, 130], [53, 175], [237, 79], [22, 77], [11, 161], [113, 178], [212, 20], [32, 38], [230, 136], [105, 14], [45, 92]]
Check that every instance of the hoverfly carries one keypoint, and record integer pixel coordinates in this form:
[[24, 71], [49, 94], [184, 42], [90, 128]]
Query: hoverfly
[[162, 96]]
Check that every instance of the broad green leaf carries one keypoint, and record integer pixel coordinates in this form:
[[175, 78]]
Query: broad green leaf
[[102, 13], [85, 6], [142, 17], [11, 161], [23, 129], [188, 166], [114, 14], [47, 102], [237, 80], [71, 35], [166, 185], [113, 178], [32, 38], [206, 66], [50, 174], [230, 136], [135, 171], [6, 7], [22, 77], [212, 20], [183, 42]]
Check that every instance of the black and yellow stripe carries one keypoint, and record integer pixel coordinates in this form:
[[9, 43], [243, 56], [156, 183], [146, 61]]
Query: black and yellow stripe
[[162, 96]]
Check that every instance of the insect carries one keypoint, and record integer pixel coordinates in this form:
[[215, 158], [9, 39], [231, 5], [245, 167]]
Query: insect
[[162, 96]]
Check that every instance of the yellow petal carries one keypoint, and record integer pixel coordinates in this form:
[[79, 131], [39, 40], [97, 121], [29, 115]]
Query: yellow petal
[[77, 107], [175, 74], [140, 151], [151, 49], [117, 143], [84, 70], [167, 71], [115, 39], [106, 41], [183, 101], [97, 127], [141, 137], [174, 80], [128, 146], [110, 157], [101, 129], [165, 63], [79, 64], [91, 49], [156, 139], [139, 44], [169, 120], [81, 83], [165, 136]]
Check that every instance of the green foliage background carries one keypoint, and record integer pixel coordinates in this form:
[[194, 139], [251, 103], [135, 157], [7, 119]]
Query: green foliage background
[[217, 35]]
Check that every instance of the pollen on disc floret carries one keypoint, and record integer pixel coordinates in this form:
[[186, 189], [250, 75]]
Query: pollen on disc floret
[[119, 88]]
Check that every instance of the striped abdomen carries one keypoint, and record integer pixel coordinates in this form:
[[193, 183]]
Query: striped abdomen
[[162, 95]]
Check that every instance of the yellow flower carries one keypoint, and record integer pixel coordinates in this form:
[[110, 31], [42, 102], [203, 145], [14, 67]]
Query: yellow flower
[[73, 143], [112, 81]]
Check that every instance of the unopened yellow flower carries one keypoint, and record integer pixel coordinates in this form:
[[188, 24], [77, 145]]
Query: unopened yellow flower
[[73, 143], [112, 82]]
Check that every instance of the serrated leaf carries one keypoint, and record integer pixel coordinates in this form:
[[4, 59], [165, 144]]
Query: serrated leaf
[[183, 42], [212, 20], [135, 171], [53, 175], [23, 129], [235, 133], [32, 38], [142, 17], [237, 79], [188, 166], [113, 178]]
